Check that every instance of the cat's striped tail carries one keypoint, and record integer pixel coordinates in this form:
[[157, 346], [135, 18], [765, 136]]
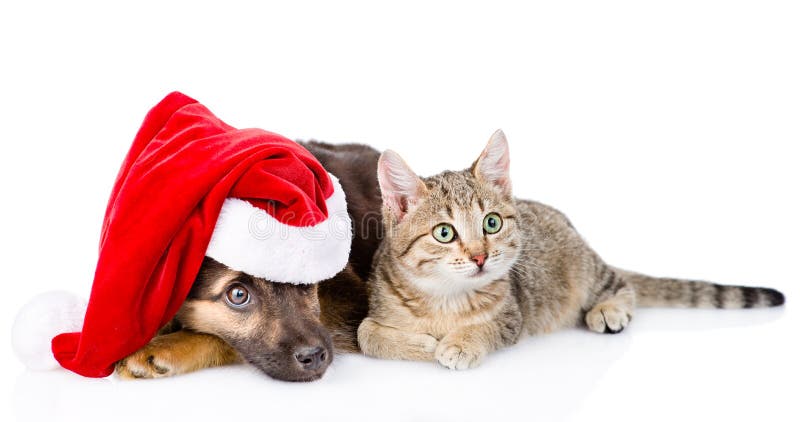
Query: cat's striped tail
[[676, 293]]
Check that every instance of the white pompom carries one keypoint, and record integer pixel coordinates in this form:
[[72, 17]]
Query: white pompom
[[41, 319]]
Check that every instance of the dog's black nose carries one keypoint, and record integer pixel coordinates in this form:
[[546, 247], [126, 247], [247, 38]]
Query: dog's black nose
[[311, 358]]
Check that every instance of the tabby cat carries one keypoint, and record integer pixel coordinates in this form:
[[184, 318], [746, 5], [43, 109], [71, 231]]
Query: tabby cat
[[465, 269]]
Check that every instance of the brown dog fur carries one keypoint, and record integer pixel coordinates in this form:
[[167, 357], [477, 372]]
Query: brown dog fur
[[207, 332]]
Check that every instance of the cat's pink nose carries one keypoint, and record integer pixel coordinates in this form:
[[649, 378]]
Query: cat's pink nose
[[479, 259]]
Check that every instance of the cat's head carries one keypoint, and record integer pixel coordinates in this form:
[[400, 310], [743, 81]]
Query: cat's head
[[455, 231]]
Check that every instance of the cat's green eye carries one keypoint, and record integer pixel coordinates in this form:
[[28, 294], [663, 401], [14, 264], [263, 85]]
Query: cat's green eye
[[444, 233], [492, 223]]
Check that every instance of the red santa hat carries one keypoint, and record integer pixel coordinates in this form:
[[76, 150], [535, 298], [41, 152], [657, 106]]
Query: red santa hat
[[191, 186]]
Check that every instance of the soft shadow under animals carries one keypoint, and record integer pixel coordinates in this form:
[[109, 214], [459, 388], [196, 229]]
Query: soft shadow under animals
[[704, 319], [554, 373]]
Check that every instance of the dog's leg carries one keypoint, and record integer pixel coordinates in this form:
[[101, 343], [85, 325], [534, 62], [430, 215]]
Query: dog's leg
[[343, 300], [177, 353]]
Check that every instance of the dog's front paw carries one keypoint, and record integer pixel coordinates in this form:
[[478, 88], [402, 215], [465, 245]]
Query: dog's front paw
[[607, 318], [459, 355], [151, 361]]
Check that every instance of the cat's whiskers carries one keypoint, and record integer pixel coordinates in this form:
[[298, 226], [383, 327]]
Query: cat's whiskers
[[532, 272]]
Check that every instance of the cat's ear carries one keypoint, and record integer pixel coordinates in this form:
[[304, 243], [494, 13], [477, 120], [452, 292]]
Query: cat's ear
[[493, 164], [401, 188]]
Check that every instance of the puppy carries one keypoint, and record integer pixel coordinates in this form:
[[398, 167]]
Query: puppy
[[288, 331]]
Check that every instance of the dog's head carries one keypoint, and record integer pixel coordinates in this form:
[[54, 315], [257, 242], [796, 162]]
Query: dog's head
[[273, 326]]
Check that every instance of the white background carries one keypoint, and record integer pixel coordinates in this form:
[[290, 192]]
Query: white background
[[667, 131]]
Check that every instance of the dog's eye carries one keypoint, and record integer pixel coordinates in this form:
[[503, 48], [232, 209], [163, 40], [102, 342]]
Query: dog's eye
[[237, 295]]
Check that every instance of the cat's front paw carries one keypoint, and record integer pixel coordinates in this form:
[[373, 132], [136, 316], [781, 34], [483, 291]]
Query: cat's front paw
[[386, 342], [607, 318], [424, 342], [459, 355]]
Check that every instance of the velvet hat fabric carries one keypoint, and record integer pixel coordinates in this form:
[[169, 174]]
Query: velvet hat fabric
[[192, 186]]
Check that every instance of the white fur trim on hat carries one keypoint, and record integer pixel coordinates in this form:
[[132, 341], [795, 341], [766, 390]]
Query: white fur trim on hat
[[41, 319], [248, 239]]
